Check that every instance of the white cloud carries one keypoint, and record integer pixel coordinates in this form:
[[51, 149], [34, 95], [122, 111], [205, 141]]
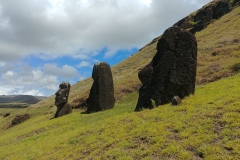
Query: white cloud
[[31, 92], [64, 71], [28, 81], [60, 27], [6, 90], [2, 64], [51, 29], [146, 2], [84, 64], [8, 74]]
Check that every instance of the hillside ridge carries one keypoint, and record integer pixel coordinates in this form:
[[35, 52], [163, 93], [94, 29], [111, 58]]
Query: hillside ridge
[[201, 18]]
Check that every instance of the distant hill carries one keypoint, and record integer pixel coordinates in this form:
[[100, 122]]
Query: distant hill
[[29, 99]]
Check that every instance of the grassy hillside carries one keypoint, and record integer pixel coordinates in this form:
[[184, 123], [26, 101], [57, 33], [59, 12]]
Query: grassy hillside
[[205, 125]]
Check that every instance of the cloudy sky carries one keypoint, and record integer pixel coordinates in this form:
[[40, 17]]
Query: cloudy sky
[[45, 42]]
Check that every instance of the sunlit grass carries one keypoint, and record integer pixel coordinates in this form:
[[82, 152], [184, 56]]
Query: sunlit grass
[[205, 125]]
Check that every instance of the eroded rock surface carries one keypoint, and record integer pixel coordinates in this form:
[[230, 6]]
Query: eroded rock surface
[[61, 100], [199, 20], [101, 95], [176, 100], [6, 114], [204, 16], [172, 70], [20, 118]]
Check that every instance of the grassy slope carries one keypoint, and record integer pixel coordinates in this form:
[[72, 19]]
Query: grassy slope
[[205, 125], [219, 48]]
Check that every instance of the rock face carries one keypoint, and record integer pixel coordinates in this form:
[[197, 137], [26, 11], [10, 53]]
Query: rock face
[[176, 100], [200, 19], [20, 118], [172, 70], [7, 114], [61, 100], [101, 95]]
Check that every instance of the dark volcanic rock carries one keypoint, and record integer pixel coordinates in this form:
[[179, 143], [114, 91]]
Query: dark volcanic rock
[[101, 95], [20, 118], [6, 115], [201, 18], [63, 109], [176, 100], [172, 70], [61, 100], [146, 73]]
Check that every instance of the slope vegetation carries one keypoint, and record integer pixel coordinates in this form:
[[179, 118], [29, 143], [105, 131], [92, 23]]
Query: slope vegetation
[[205, 125]]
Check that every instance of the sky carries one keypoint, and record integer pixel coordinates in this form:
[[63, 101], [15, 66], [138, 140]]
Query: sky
[[45, 42]]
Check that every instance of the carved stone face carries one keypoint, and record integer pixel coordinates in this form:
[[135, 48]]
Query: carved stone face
[[62, 94]]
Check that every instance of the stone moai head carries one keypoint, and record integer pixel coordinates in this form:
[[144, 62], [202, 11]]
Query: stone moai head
[[172, 71], [62, 94], [101, 95]]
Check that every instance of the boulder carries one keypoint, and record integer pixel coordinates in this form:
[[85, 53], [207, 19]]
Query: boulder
[[204, 16], [6, 114], [61, 100], [20, 118], [172, 70], [176, 100], [101, 95]]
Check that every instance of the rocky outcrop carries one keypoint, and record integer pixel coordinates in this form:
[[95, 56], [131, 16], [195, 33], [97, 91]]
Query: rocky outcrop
[[101, 95], [61, 100], [6, 114], [201, 18], [172, 71], [176, 100], [20, 118]]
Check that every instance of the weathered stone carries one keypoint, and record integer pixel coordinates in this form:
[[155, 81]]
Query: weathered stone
[[214, 10], [6, 115], [176, 100], [101, 95], [198, 20], [20, 118], [61, 100], [146, 73], [173, 69]]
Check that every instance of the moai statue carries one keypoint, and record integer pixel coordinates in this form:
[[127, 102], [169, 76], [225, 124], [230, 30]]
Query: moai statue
[[172, 71], [7, 114], [101, 95], [61, 100], [20, 118]]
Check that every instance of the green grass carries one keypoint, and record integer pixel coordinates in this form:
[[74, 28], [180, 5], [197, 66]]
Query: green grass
[[205, 125], [219, 48], [14, 105]]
